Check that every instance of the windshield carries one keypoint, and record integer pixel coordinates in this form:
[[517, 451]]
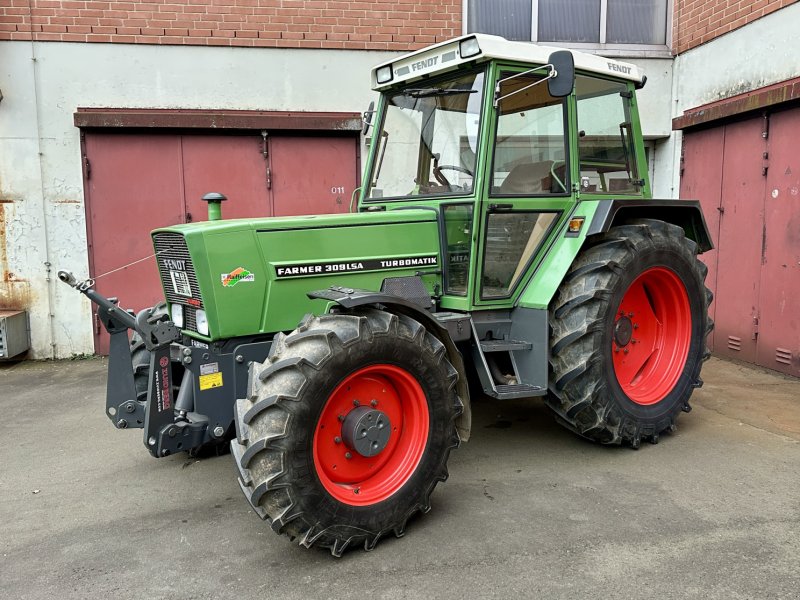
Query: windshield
[[429, 139]]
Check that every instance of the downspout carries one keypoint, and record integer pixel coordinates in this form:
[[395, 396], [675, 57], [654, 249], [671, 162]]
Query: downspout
[[45, 224]]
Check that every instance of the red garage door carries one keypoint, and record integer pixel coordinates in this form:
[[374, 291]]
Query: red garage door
[[747, 176], [138, 182]]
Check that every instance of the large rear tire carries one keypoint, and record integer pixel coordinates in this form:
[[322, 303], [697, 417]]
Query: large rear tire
[[628, 334], [347, 428]]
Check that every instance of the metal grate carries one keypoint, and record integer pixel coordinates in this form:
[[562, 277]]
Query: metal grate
[[189, 318], [172, 246]]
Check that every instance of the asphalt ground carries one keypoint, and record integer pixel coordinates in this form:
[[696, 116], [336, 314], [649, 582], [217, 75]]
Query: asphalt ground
[[529, 511]]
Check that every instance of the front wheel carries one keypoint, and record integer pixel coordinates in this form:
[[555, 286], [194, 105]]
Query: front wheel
[[629, 327], [347, 428]]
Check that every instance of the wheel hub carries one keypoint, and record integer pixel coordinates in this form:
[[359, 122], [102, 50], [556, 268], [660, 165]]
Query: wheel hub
[[366, 430], [623, 331]]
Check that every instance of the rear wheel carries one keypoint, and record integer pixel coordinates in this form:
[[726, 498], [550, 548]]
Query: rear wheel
[[629, 327], [347, 428]]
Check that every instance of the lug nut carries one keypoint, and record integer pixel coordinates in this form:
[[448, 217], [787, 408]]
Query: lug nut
[[625, 351], [348, 456], [337, 440], [356, 403], [341, 417], [373, 403], [218, 431]]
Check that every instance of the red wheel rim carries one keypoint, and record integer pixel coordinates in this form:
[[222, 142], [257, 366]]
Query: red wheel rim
[[361, 480], [651, 337]]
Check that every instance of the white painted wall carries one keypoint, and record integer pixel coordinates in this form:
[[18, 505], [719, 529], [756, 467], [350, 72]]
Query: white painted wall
[[40, 170]]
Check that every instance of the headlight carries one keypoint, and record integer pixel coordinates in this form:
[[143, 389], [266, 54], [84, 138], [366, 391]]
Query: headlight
[[469, 47], [384, 74], [177, 315], [202, 322]]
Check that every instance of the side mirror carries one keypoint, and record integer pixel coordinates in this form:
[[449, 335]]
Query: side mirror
[[367, 117], [564, 66]]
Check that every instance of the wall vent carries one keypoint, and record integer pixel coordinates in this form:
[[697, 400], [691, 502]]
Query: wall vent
[[783, 356], [734, 343]]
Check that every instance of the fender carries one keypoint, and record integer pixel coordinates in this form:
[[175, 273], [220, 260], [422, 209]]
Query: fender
[[684, 213], [352, 298]]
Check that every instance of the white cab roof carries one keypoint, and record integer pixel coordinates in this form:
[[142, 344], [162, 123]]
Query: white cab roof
[[445, 56]]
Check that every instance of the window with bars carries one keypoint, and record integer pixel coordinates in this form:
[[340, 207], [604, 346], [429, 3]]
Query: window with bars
[[586, 23]]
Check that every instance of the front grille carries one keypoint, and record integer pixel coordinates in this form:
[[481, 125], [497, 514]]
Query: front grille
[[189, 318], [172, 247]]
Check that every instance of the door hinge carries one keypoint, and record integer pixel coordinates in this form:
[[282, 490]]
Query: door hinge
[[755, 328], [265, 154], [96, 323], [764, 163], [87, 167]]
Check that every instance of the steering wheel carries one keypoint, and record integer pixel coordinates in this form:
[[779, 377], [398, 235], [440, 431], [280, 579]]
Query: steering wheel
[[437, 173]]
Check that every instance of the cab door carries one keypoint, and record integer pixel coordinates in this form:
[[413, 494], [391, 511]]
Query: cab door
[[527, 191]]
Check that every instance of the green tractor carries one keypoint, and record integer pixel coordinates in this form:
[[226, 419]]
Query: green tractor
[[505, 234]]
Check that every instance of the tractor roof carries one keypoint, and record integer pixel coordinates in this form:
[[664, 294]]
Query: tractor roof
[[446, 56]]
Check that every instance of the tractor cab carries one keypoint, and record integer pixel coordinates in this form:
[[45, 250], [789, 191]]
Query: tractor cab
[[504, 139]]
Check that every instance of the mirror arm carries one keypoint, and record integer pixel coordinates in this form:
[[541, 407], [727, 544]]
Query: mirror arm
[[498, 98]]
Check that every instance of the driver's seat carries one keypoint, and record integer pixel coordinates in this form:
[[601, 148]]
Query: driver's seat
[[527, 178]]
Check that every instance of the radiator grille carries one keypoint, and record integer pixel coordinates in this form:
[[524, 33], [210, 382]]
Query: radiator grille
[[172, 247]]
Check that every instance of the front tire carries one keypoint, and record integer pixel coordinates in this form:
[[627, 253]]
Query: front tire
[[629, 327], [313, 452]]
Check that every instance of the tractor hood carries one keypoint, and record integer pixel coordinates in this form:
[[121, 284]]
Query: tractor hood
[[253, 275]]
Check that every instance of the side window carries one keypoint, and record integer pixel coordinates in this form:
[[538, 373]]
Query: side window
[[512, 239], [605, 137], [458, 245], [529, 151]]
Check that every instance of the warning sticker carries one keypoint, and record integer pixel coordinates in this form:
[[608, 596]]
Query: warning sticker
[[212, 380]]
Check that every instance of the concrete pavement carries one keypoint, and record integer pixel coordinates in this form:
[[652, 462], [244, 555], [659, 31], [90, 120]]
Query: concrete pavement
[[530, 510]]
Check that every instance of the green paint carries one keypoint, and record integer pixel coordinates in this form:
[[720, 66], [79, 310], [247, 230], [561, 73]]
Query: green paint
[[254, 274]]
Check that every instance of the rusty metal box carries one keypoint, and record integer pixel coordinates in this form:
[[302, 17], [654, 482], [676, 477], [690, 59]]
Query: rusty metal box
[[14, 333]]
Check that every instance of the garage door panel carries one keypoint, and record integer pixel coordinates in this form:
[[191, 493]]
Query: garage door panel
[[140, 182], [132, 189], [232, 165], [779, 323], [312, 175], [701, 179], [739, 246]]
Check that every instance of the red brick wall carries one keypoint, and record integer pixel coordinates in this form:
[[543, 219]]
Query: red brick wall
[[696, 22], [354, 24]]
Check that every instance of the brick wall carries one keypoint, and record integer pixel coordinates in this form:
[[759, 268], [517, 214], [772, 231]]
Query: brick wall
[[696, 22], [355, 24]]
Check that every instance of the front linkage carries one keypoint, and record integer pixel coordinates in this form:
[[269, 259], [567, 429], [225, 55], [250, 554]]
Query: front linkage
[[206, 377]]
